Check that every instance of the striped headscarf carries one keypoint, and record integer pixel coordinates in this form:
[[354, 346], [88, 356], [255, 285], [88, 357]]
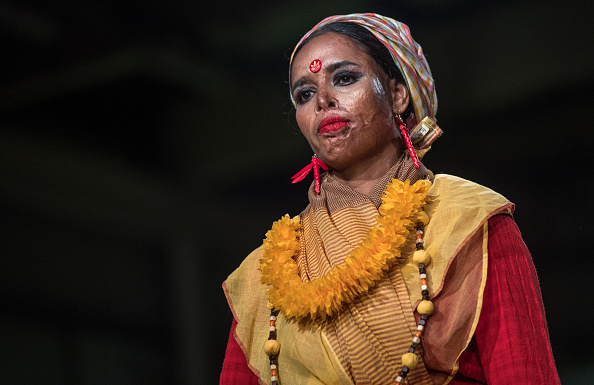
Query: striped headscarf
[[407, 54]]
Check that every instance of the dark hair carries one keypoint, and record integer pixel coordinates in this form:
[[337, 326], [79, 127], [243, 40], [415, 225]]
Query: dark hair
[[368, 44]]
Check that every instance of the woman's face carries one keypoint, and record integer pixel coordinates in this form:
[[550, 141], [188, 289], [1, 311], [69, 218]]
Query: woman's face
[[346, 109]]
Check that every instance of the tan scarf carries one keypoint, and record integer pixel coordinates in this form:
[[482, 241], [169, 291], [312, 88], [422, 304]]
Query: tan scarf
[[370, 335]]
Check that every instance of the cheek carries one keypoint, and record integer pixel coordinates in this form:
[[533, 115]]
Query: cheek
[[378, 89], [375, 114], [371, 106], [382, 108], [303, 121]]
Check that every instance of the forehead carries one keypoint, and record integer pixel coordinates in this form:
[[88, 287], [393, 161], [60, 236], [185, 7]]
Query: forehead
[[328, 48]]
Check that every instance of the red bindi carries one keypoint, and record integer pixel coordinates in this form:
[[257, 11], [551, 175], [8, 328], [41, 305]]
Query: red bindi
[[315, 65]]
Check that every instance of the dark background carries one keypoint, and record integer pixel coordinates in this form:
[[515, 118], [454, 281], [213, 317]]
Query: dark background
[[146, 147]]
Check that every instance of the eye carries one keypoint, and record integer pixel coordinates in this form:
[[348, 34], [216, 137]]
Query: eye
[[345, 78], [303, 95]]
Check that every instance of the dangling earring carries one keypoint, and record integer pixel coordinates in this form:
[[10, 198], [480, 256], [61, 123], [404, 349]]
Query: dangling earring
[[315, 164], [404, 133]]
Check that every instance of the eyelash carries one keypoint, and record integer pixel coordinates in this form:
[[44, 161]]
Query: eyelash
[[300, 95], [350, 75], [341, 79]]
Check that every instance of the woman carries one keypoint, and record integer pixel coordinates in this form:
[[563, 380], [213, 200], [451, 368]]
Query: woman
[[390, 275]]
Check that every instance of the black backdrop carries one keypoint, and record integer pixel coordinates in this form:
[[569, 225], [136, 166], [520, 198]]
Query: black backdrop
[[146, 147]]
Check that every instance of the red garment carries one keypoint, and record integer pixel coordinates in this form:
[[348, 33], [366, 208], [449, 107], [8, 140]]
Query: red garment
[[511, 342], [235, 367]]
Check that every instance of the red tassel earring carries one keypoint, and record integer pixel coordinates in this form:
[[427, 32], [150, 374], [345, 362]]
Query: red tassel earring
[[315, 164], [404, 132]]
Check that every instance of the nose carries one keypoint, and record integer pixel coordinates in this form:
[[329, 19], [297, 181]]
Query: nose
[[325, 100]]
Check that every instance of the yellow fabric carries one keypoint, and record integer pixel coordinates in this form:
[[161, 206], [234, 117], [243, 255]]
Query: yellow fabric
[[458, 213], [305, 357], [457, 208]]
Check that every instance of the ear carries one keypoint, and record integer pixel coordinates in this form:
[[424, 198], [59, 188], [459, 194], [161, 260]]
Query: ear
[[400, 96]]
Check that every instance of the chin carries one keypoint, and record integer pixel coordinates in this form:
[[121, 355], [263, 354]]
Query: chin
[[334, 148], [337, 161]]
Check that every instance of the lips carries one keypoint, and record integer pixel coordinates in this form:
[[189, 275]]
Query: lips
[[331, 124]]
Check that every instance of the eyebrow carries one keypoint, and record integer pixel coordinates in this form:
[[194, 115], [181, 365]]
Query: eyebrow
[[331, 68], [340, 64]]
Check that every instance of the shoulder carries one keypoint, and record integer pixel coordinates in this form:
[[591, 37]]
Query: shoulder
[[445, 183], [461, 194], [247, 275], [250, 262]]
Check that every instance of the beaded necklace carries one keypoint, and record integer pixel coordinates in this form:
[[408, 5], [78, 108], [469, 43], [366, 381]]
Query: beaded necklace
[[425, 308], [420, 256]]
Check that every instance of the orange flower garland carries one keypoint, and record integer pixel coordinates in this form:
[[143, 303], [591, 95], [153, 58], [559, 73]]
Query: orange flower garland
[[362, 268]]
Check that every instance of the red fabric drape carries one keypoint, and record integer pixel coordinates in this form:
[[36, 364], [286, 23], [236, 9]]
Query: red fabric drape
[[235, 367], [511, 343]]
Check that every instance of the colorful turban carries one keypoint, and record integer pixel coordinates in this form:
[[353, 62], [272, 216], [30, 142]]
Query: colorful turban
[[407, 54]]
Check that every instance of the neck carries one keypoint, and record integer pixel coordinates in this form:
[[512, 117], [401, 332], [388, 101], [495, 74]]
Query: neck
[[362, 176]]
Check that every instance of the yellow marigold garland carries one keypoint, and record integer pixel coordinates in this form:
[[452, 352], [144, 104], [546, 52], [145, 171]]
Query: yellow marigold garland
[[362, 268]]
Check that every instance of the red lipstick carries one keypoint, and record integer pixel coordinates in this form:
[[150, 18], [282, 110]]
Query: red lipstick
[[332, 123]]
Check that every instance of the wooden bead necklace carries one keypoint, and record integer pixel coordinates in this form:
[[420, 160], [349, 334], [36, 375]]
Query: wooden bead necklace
[[272, 347], [425, 307]]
